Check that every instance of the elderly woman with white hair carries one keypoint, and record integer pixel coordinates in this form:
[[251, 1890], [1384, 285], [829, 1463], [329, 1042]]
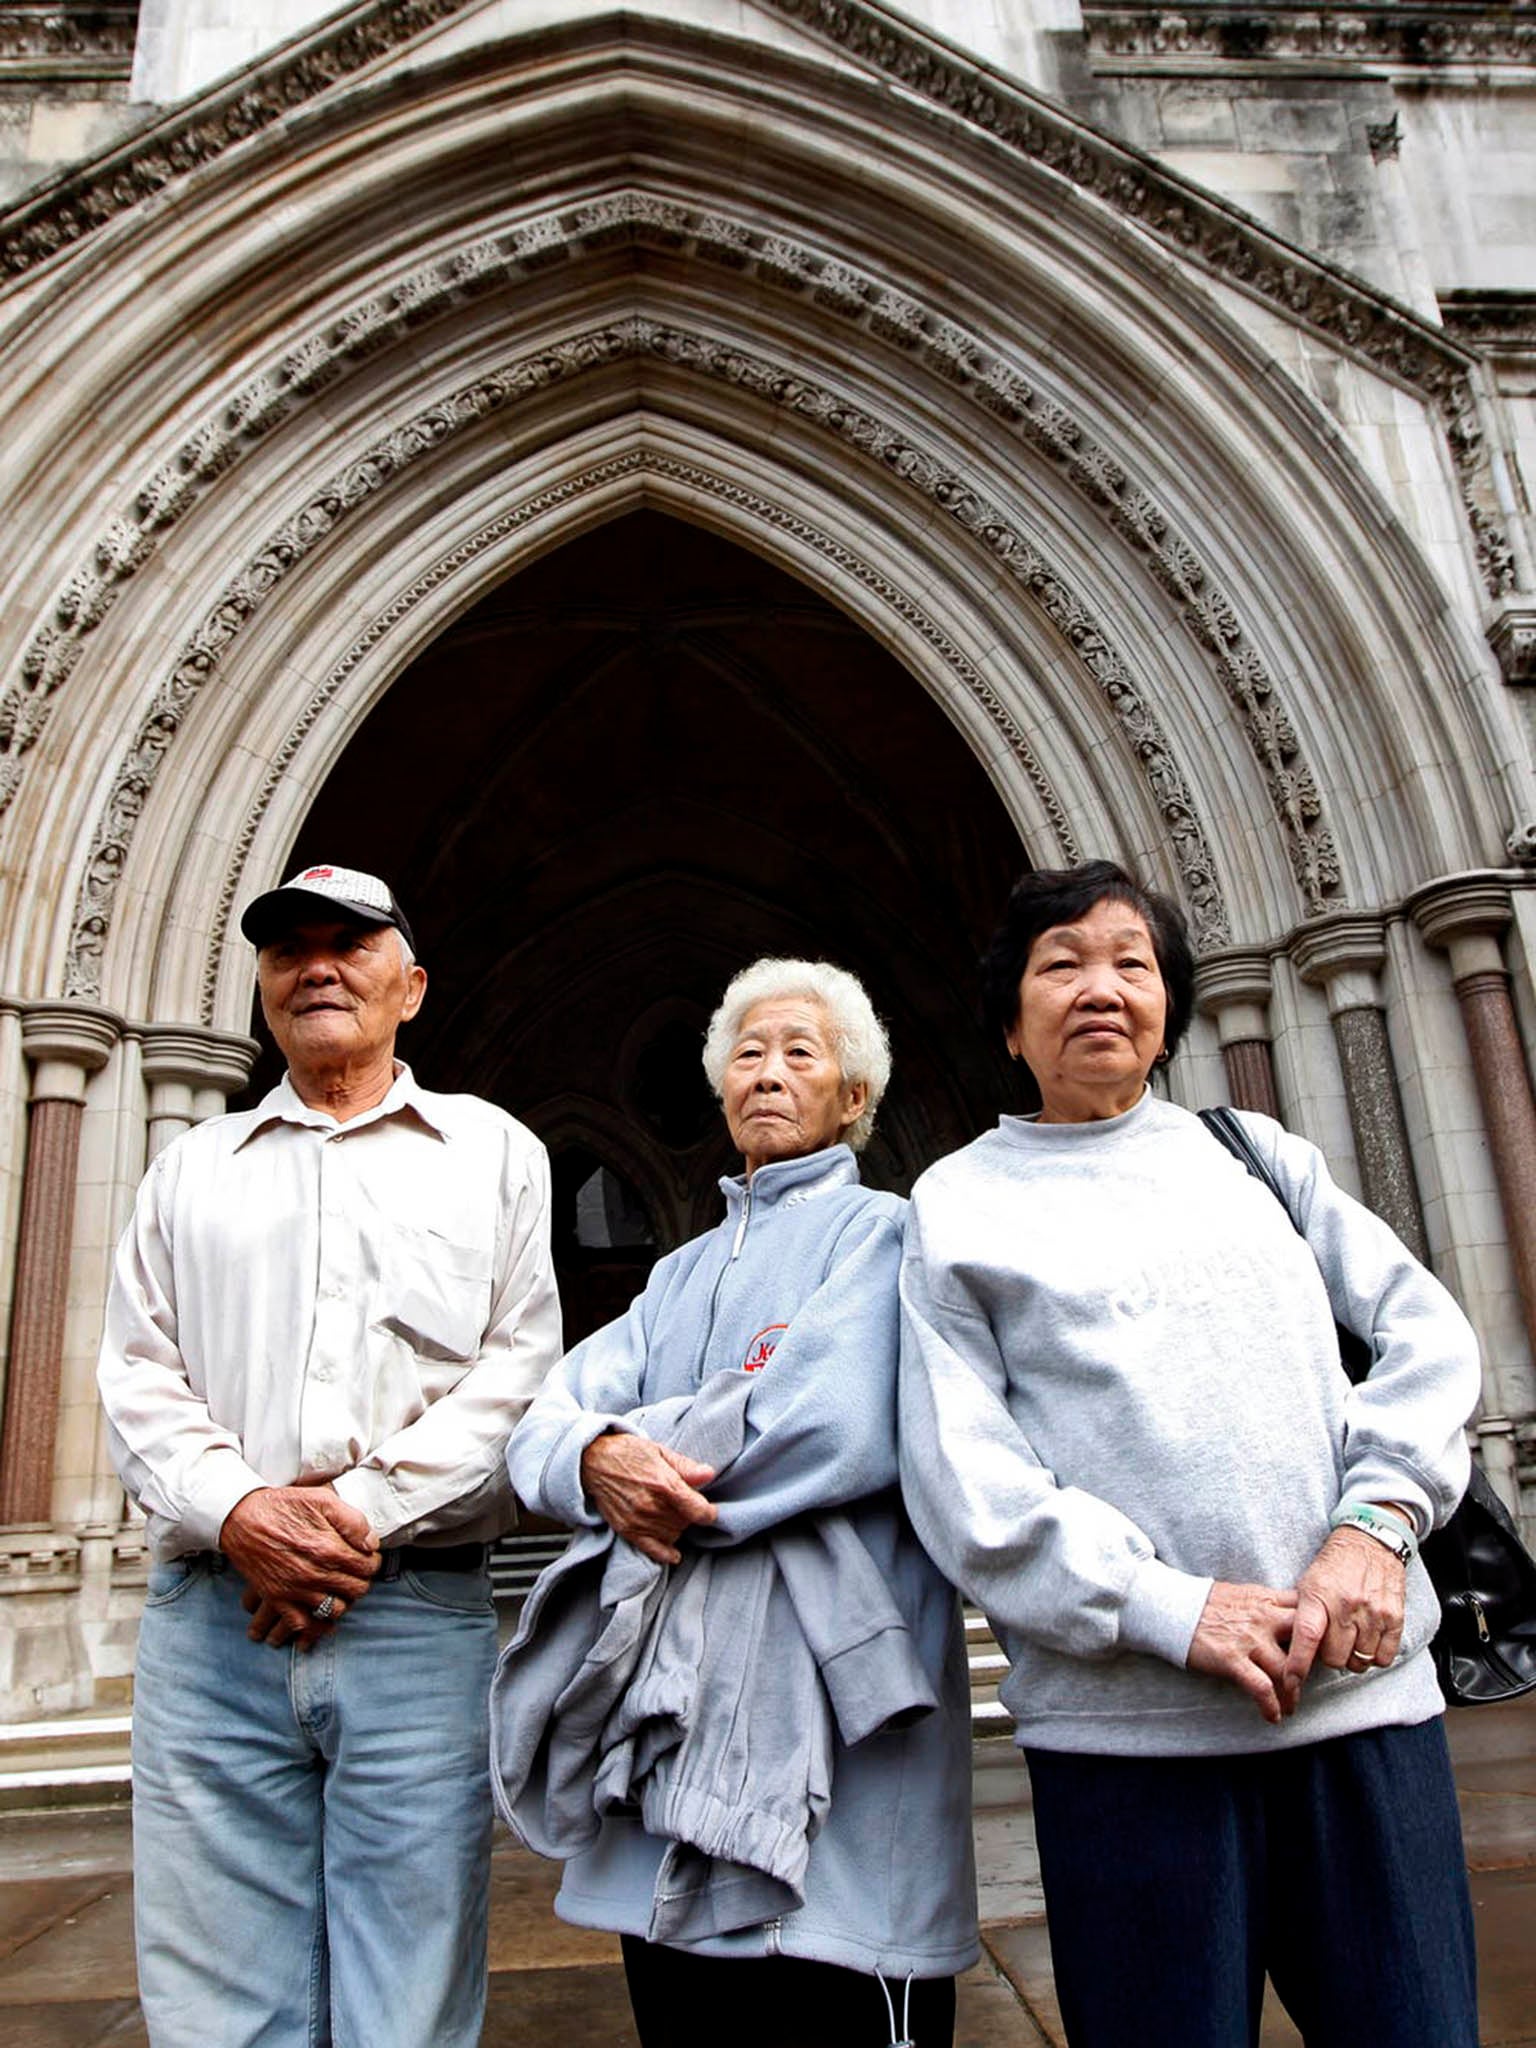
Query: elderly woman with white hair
[[784, 1319]]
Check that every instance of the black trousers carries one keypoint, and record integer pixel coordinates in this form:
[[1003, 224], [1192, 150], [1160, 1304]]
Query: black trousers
[[1172, 1884], [689, 2001]]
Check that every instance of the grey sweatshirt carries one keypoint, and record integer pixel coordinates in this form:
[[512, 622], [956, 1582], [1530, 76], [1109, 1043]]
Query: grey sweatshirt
[[1120, 1382]]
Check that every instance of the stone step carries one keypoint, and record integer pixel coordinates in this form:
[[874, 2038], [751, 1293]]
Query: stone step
[[77, 1760], [989, 1717], [82, 1759]]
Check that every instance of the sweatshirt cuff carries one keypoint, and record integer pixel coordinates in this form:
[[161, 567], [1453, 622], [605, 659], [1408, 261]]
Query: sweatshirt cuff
[[220, 1481], [370, 1492], [563, 1497], [1162, 1610], [1380, 1482]]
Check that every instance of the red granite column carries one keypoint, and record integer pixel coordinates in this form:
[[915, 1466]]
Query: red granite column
[[1464, 917], [1251, 1075], [1509, 1115], [64, 1042]]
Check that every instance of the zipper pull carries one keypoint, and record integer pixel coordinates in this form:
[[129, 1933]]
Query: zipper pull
[[741, 1226]]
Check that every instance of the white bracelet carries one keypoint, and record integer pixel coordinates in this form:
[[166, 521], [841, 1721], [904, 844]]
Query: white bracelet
[[1388, 1530]]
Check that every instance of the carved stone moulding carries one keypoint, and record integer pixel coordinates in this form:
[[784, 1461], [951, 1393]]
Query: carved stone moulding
[[289, 383], [1201, 229], [878, 441], [66, 42], [1512, 636], [1170, 39], [39, 1560], [1494, 323], [131, 538], [1197, 224]]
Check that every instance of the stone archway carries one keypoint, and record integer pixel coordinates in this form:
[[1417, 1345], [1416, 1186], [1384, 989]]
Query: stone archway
[[1037, 426], [638, 763]]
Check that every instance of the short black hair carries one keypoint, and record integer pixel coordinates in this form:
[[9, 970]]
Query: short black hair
[[1051, 896]]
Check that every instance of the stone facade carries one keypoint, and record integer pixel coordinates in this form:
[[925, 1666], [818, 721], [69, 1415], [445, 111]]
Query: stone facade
[[1153, 393]]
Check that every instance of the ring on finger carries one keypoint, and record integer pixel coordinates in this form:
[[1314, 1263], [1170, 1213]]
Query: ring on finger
[[325, 1607], [1362, 1658]]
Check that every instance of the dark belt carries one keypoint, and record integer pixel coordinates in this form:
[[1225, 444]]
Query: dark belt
[[433, 1557], [406, 1557]]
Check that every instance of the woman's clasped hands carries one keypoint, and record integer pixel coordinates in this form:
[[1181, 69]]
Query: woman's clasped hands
[[1345, 1612]]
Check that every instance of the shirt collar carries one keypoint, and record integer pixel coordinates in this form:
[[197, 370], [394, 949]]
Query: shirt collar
[[783, 1181], [282, 1105]]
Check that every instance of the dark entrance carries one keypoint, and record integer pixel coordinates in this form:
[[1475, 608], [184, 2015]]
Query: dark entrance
[[631, 769]]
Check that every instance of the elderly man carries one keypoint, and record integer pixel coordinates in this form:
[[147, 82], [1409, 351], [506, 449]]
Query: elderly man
[[326, 1315]]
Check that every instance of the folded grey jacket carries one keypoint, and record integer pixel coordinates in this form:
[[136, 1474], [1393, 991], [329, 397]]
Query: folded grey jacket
[[705, 1695]]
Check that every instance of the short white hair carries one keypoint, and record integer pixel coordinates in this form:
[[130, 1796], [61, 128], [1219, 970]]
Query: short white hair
[[858, 1037]]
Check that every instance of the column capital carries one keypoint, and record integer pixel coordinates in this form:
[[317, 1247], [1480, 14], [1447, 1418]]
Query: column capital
[[1342, 954], [195, 1057], [65, 1042], [1463, 915], [1512, 636], [1234, 987]]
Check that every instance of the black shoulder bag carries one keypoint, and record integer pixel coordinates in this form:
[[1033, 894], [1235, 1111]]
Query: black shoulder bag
[[1485, 1650]]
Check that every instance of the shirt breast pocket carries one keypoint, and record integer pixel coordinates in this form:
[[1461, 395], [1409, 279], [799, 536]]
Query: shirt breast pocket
[[436, 1293]]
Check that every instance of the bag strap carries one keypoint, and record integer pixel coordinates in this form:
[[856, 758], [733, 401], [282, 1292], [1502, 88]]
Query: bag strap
[[1226, 1127], [1356, 1354]]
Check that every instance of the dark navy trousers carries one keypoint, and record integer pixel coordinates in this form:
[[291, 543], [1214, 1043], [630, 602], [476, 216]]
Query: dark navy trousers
[[1173, 1884]]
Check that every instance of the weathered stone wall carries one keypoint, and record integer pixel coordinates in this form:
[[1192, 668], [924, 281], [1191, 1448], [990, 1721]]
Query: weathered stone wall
[[64, 92]]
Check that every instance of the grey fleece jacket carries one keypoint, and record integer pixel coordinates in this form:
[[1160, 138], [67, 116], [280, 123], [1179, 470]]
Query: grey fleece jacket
[[1120, 1381], [795, 1293], [707, 1696]]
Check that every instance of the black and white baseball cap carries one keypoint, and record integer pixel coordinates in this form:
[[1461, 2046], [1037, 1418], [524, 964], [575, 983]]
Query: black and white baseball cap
[[312, 894]]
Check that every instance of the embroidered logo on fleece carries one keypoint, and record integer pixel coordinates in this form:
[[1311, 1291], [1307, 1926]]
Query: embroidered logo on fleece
[[762, 1347]]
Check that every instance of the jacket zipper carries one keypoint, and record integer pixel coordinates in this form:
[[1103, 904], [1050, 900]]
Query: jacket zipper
[[741, 1227], [736, 1243]]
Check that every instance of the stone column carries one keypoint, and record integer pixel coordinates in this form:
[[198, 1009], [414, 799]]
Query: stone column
[[1463, 916], [1343, 956], [190, 1073], [65, 1042], [1234, 988]]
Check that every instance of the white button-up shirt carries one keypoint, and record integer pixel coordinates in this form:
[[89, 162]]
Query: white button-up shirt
[[370, 1303]]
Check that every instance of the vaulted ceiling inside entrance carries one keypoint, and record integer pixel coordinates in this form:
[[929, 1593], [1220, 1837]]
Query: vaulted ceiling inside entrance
[[628, 771]]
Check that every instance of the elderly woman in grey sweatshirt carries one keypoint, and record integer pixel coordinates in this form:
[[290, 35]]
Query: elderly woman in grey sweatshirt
[[1127, 1435], [776, 1336]]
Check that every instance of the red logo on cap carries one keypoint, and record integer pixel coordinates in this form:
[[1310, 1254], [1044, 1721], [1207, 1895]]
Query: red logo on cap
[[317, 874]]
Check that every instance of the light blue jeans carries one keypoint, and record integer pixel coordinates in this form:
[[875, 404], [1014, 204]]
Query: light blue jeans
[[312, 1829]]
